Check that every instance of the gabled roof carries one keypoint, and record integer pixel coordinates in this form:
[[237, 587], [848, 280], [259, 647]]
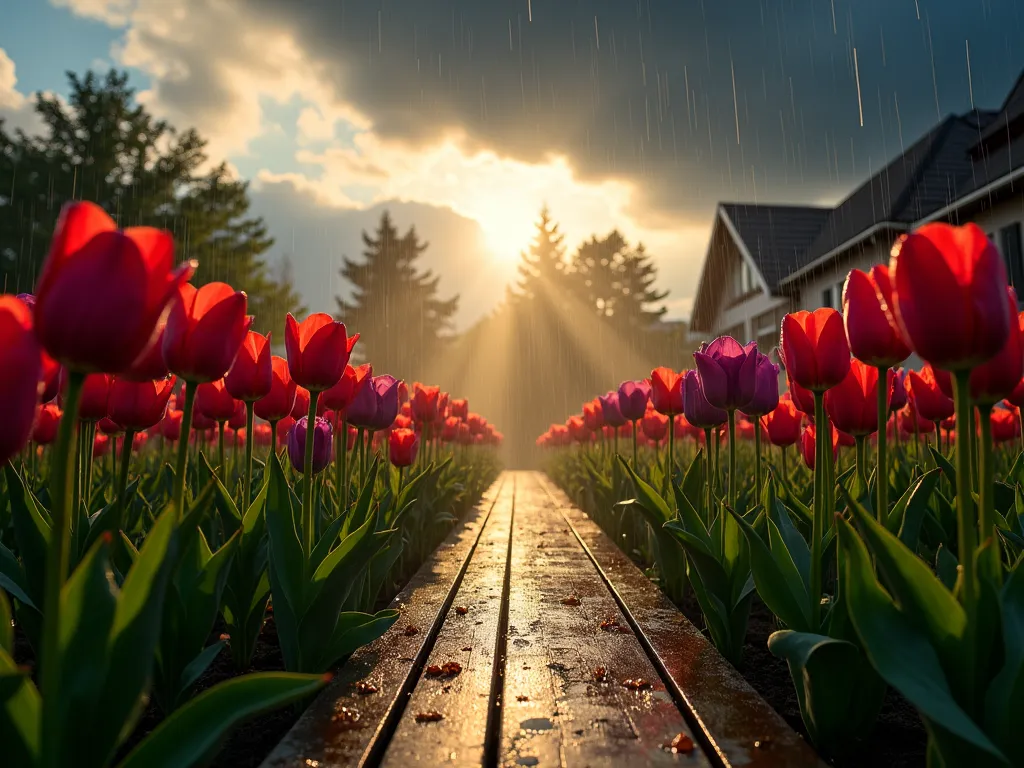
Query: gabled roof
[[776, 236], [963, 158]]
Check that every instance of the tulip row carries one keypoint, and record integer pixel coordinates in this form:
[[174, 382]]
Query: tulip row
[[117, 583], [922, 593]]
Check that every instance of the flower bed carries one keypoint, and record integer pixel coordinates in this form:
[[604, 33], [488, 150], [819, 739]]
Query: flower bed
[[170, 567], [886, 561]]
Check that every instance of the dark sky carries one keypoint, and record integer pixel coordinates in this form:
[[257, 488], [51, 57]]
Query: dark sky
[[643, 89]]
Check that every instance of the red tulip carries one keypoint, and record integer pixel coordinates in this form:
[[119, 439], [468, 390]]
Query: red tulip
[[251, 376], [318, 350], [351, 382], [150, 365], [44, 431], [424, 403], [814, 348], [170, 425], [108, 426], [852, 405], [50, 378], [874, 338], [654, 425], [593, 416], [102, 291], [301, 406], [802, 398], [997, 378], [1005, 425], [807, 445], [403, 392], [95, 395], [139, 405], [279, 401], [237, 419], [783, 424], [929, 400], [949, 295], [667, 391], [203, 423], [403, 445], [100, 445], [450, 431], [910, 420], [459, 409], [214, 401], [205, 329], [20, 371]]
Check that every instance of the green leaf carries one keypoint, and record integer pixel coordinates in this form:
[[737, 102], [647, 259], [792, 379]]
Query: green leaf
[[795, 543], [649, 499], [136, 630], [12, 577], [693, 485], [778, 582], [947, 469], [946, 568], [1005, 695], [194, 733], [31, 532], [354, 630], [87, 610], [899, 651], [20, 714], [920, 594], [198, 665], [839, 694], [6, 628]]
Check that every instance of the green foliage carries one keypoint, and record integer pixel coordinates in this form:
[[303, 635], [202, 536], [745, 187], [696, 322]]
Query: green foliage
[[103, 146], [388, 292]]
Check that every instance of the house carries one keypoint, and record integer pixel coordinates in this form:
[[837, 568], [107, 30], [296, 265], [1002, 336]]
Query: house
[[763, 261]]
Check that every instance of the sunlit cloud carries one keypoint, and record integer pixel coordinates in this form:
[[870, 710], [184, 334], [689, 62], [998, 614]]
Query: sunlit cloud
[[16, 109]]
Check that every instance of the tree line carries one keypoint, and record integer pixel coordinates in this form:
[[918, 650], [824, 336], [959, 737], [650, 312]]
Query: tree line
[[572, 324]]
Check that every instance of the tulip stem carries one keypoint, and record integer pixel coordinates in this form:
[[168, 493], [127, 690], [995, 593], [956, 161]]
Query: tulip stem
[[87, 488], [62, 466], [307, 497], [757, 459], [122, 477], [967, 524], [181, 465], [862, 464], [339, 470], [708, 474], [671, 453], [248, 456], [273, 441], [882, 462], [636, 464], [222, 468], [986, 496], [361, 449], [822, 438]]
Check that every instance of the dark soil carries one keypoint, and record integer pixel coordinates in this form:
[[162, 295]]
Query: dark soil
[[898, 740]]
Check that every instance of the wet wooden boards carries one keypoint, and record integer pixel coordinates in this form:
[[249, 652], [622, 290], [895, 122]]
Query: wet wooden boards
[[535, 641]]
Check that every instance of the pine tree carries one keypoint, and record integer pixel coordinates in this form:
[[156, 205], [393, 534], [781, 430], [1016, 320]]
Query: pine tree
[[104, 147], [394, 306], [618, 282], [543, 269]]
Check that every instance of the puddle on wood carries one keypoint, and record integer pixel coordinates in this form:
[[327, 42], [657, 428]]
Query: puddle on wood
[[536, 724]]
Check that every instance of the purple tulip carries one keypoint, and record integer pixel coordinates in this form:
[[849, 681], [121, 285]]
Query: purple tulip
[[28, 299], [376, 405], [728, 372], [633, 397], [898, 392], [698, 411], [610, 409], [323, 445], [766, 389]]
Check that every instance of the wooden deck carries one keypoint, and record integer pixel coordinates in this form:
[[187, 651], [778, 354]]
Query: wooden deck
[[529, 639]]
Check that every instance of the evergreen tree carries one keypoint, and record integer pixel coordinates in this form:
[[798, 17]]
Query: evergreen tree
[[543, 269], [618, 282], [104, 147], [395, 306]]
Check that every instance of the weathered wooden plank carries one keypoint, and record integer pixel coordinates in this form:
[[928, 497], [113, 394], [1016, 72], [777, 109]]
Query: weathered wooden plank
[[344, 727], [468, 638], [565, 698], [736, 722]]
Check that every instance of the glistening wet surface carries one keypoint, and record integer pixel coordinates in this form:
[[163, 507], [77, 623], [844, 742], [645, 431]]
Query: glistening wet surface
[[528, 639]]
